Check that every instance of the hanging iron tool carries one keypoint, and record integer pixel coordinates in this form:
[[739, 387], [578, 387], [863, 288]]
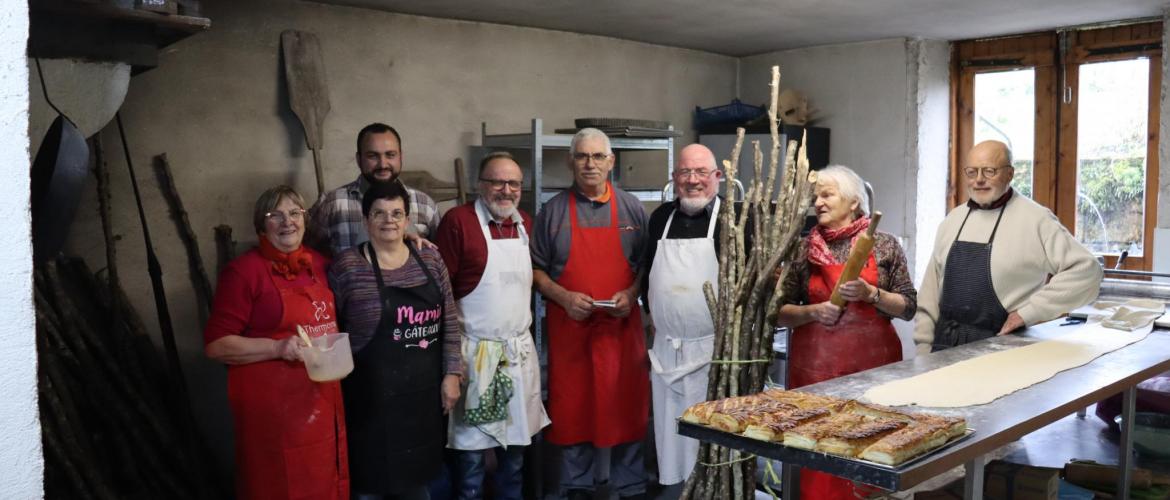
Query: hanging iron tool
[[58, 175], [156, 284]]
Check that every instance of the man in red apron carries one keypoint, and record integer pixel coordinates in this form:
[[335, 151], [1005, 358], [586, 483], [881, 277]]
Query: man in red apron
[[586, 246]]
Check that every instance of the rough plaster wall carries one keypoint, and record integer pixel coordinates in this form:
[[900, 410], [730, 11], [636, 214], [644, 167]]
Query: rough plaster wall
[[217, 106], [930, 109], [858, 91], [20, 430], [88, 93], [887, 105]]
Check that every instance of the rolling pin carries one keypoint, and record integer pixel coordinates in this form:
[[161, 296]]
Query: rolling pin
[[858, 255]]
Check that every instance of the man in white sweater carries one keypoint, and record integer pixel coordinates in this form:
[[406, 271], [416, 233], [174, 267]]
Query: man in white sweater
[[1000, 262]]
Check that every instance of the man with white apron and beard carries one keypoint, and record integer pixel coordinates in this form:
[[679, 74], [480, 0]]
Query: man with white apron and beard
[[682, 260], [485, 245]]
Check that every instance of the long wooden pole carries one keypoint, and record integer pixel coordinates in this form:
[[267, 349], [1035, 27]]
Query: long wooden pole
[[742, 302]]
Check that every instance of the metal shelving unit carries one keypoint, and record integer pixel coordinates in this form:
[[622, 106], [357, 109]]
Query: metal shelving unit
[[536, 141]]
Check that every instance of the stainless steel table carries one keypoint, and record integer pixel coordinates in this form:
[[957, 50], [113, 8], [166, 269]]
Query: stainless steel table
[[996, 424]]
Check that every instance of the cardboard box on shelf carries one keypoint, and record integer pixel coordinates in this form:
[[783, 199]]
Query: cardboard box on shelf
[[1005, 480]]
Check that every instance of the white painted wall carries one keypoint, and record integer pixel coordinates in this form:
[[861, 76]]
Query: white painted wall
[[20, 430], [217, 106], [887, 106], [858, 91], [928, 145]]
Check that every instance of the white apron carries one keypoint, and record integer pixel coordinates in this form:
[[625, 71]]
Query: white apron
[[684, 340], [498, 311]]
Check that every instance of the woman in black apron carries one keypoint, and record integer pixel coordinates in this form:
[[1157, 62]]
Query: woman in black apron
[[396, 303]]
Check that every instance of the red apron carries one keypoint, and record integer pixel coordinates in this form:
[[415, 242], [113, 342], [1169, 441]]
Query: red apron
[[290, 431], [598, 372], [861, 340]]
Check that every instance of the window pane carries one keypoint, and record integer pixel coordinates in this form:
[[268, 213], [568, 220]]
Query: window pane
[[1005, 110], [1112, 115]]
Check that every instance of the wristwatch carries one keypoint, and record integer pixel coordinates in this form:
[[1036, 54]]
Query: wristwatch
[[877, 295]]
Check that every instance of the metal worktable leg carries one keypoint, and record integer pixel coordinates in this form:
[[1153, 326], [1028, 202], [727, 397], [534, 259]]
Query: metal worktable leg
[[1125, 450], [789, 476], [973, 484]]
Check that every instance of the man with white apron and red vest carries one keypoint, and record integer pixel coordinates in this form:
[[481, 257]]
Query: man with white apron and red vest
[[586, 250], [485, 246], [682, 259]]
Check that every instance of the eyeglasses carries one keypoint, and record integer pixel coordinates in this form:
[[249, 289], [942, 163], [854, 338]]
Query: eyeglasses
[[700, 174], [988, 172], [585, 157], [279, 217], [383, 216], [499, 184]]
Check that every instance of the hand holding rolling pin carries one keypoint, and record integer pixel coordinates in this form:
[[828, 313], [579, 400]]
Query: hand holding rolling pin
[[826, 313], [857, 291], [849, 287]]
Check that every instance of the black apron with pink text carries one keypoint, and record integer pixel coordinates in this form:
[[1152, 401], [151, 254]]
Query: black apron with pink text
[[393, 406]]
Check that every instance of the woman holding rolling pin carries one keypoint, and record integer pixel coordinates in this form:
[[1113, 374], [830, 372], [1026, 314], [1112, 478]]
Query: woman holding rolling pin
[[830, 340]]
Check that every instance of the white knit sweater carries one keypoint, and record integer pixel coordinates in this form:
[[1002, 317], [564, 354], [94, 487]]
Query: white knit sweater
[[1030, 245]]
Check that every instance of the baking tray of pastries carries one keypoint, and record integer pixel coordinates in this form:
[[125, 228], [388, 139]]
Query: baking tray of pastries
[[876, 435]]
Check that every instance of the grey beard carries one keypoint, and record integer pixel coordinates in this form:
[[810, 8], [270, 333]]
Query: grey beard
[[500, 213], [692, 206]]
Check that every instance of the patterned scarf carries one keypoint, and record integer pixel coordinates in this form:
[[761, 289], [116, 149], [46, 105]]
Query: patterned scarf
[[288, 265], [819, 238]]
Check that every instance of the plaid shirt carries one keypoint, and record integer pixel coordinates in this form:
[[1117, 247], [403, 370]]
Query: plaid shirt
[[336, 222]]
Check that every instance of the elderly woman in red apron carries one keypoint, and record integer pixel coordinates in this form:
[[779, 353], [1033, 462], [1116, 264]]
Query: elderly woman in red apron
[[830, 341], [290, 431], [396, 303]]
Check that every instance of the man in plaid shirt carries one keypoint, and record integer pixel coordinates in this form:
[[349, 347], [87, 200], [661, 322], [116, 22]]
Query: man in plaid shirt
[[336, 221]]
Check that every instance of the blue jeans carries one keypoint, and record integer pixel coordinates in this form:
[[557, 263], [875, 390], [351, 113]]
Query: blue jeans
[[508, 479]]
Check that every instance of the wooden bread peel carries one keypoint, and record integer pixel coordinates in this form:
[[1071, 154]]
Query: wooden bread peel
[[858, 255]]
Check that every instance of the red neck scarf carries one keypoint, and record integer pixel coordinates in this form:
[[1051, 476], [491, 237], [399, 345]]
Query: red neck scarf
[[288, 265], [819, 238]]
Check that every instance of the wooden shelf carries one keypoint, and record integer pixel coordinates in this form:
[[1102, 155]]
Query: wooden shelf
[[105, 32]]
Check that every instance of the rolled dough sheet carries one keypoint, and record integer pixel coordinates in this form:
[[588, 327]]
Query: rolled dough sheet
[[984, 379]]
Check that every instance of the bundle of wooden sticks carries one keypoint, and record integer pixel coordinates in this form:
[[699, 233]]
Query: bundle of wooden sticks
[[743, 304]]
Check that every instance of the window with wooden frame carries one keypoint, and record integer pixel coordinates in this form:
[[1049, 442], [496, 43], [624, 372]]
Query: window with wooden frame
[[1079, 109]]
